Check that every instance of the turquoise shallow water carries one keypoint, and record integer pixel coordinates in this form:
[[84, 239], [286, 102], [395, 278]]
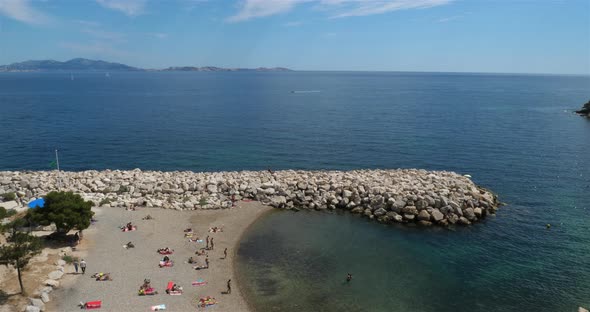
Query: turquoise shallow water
[[515, 134], [298, 262]]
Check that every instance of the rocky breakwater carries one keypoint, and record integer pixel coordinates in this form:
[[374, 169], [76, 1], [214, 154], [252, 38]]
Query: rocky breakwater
[[392, 196]]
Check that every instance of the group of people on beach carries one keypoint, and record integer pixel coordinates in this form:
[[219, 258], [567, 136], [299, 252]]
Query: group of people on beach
[[145, 288]]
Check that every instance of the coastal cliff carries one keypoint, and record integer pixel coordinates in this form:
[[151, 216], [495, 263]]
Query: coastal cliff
[[390, 196], [585, 111]]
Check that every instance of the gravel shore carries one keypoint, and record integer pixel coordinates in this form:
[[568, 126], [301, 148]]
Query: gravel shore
[[129, 267]]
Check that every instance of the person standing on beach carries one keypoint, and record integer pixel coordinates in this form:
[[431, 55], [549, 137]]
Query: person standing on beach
[[207, 262], [229, 286], [207, 246], [212, 243], [83, 266], [75, 263], [225, 253]]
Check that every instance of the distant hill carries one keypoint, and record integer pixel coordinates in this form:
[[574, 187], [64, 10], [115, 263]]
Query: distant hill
[[76, 64], [81, 64]]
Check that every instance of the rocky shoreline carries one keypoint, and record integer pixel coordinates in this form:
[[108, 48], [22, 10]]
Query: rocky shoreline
[[391, 196], [585, 110]]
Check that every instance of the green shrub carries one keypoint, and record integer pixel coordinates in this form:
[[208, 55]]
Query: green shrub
[[4, 213], [203, 201], [9, 196], [69, 259], [105, 201]]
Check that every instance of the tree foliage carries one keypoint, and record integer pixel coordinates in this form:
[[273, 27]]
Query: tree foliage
[[67, 210], [20, 247]]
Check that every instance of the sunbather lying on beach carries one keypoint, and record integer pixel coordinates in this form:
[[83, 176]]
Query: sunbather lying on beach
[[191, 260], [165, 251], [175, 289], [195, 239], [188, 230], [102, 276], [148, 217], [201, 252], [129, 245], [207, 301], [146, 288], [215, 229]]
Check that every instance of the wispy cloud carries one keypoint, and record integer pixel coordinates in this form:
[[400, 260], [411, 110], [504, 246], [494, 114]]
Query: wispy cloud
[[250, 9], [23, 11], [259, 8], [368, 7], [129, 7]]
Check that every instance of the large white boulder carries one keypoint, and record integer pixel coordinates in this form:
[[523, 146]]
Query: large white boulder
[[55, 275], [9, 204], [37, 303], [45, 297], [31, 308]]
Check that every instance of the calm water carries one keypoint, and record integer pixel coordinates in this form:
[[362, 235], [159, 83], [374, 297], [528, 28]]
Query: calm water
[[513, 134]]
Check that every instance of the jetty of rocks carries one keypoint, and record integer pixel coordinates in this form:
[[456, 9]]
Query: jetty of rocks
[[391, 196]]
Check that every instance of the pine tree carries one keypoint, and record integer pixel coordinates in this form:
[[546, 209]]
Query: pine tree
[[20, 247], [67, 210]]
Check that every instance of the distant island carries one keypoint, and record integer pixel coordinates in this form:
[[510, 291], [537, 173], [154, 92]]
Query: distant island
[[81, 64], [585, 111]]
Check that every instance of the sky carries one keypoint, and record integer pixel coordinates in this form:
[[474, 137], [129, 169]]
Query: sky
[[505, 36]]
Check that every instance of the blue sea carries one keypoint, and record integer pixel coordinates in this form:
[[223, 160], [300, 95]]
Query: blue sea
[[515, 134]]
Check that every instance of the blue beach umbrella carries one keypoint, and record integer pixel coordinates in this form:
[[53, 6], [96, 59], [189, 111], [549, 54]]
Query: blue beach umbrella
[[37, 203]]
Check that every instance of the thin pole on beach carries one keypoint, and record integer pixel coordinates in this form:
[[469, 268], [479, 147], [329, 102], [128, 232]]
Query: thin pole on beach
[[58, 177]]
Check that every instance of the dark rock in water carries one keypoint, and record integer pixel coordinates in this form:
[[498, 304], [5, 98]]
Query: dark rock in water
[[424, 223], [585, 111]]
